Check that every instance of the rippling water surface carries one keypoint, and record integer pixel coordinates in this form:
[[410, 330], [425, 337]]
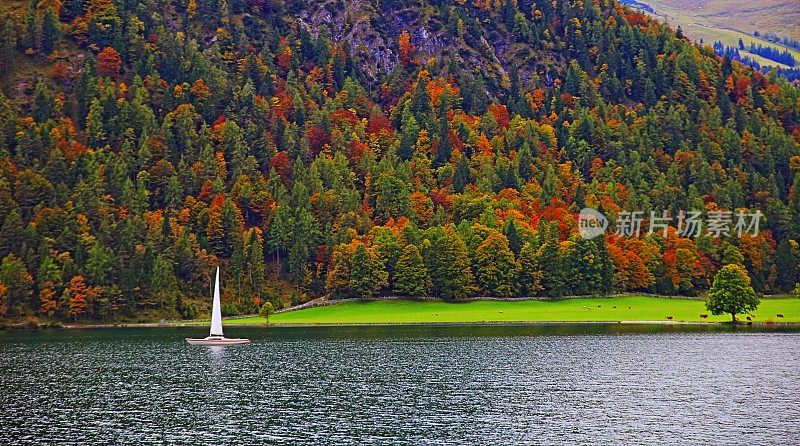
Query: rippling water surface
[[468, 384]]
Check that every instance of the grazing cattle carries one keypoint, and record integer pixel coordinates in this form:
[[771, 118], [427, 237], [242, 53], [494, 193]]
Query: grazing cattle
[[749, 318], [669, 318], [779, 314], [704, 315]]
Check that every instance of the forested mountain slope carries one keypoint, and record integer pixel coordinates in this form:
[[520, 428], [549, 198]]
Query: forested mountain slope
[[360, 148]]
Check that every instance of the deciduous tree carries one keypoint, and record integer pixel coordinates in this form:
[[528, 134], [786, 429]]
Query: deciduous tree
[[731, 292], [109, 62]]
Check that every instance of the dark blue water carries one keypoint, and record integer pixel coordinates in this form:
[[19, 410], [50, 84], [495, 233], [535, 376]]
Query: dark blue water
[[579, 384]]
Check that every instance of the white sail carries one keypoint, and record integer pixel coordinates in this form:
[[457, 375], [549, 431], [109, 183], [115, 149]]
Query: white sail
[[216, 313]]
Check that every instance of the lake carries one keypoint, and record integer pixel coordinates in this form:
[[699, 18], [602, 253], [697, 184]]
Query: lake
[[461, 384]]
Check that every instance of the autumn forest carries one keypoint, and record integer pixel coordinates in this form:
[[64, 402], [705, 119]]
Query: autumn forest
[[437, 148]]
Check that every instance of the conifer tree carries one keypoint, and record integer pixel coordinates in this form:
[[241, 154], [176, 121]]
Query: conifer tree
[[49, 31], [552, 263], [449, 265], [409, 133], [255, 261], [28, 41], [411, 275], [15, 286], [367, 273], [421, 100], [461, 176], [280, 230], [496, 270], [163, 284], [8, 45], [530, 270]]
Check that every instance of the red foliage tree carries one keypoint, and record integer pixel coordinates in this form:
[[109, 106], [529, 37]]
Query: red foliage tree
[[635, 18], [282, 165], [356, 151], [109, 62], [501, 115], [379, 124], [317, 138]]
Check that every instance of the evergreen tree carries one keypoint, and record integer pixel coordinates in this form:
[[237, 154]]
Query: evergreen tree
[[449, 265], [70, 9], [496, 270], [586, 267], [256, 269], [12, 233], [553, 266], [421, 101], [100, 265], [42, 103], [163, 284], [280, 230], [511, 232], [8, 45], [367, 274], [788, 262], [410, 275], [461, 176], [15, 286], [95, 128], [49, 31], [392, 198], [409, 133], [28, 40], [530, 270]]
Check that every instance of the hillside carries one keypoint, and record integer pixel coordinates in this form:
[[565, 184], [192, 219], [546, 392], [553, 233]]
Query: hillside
[[727, 21], [355, 148], [776, 16]]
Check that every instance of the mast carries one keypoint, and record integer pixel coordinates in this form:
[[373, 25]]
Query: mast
[[216, 313]]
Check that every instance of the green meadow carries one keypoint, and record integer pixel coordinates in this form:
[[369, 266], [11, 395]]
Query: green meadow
[[609, 309]]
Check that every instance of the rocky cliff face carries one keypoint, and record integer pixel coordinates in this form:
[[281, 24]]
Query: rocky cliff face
[[371, 30]]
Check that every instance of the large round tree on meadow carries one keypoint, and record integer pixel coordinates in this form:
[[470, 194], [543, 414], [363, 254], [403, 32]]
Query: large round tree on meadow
[[731, 292]]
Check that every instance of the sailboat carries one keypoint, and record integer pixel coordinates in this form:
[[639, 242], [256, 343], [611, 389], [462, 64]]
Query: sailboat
[[215, 336]]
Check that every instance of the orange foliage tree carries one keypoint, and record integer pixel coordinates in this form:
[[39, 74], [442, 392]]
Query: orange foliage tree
[[406, 48]]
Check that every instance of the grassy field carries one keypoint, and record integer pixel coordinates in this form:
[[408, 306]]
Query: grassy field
[[633, 308], [778, 16], [729, 20]]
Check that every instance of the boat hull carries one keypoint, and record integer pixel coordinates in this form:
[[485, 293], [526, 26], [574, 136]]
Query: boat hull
[[217, 341]]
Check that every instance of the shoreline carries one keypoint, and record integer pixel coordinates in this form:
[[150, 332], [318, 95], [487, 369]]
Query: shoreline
[[393, 310], [379, 324]]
